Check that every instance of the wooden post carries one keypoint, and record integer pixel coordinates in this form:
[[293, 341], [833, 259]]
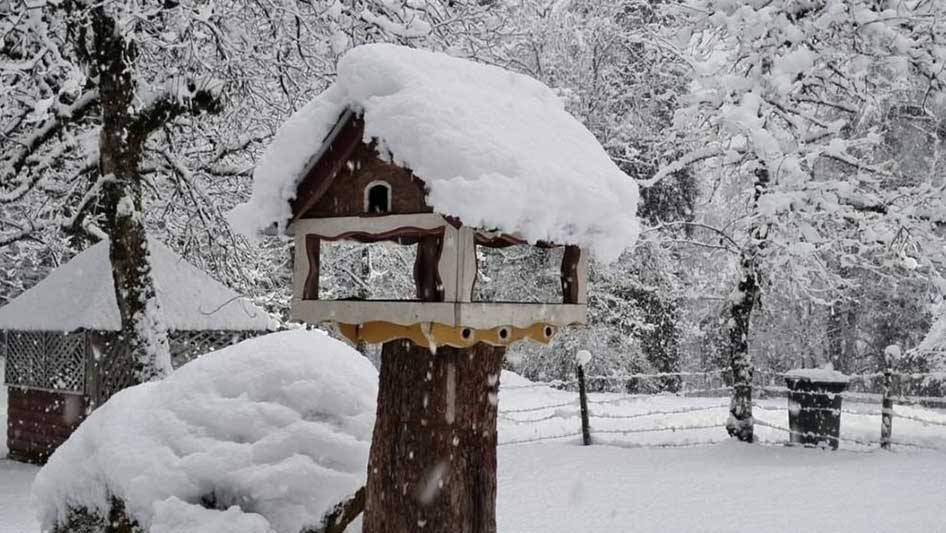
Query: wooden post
[[426, 277], [310, 290], [886, 416], [581, 360], [571, 278]]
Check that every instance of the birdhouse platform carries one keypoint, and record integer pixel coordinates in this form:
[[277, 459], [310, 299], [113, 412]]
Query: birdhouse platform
[[445, 272]]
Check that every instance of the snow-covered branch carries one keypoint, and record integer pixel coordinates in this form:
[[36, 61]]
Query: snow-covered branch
[[167, 107], [691, 158], [16, 158]]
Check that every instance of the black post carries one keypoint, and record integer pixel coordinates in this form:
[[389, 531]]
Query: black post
[[583, 400], [886, 416]]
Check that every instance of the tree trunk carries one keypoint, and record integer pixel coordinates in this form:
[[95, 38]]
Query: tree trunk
[[842, 328], [740, 422], [835, 337], [432, 465], [849, 353], [143, 334]]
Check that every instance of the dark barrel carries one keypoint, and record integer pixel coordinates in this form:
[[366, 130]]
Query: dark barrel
[[814, 406]]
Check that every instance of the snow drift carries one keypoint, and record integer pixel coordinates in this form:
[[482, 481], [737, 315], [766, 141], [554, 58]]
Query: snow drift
[[265, 435], [495, 148]]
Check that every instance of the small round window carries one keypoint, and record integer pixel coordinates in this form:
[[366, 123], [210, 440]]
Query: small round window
[[377, 198]]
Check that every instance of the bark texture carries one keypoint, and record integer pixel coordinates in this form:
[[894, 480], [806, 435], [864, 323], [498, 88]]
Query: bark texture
[[432, 465], [740, 423], [122, 139], [842, 331], [111, 52]]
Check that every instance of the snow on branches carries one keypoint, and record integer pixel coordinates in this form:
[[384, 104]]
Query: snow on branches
[[814, 93]]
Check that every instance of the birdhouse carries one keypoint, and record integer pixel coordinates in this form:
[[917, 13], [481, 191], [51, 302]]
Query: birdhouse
[[454, 159], [351, 193]]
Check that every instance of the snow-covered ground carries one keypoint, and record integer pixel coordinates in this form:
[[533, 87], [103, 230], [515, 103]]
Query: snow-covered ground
[[717, 488], [677, 480]]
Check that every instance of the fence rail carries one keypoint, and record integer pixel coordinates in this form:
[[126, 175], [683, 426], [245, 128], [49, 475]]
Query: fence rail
[[639, 419], [761, 377]]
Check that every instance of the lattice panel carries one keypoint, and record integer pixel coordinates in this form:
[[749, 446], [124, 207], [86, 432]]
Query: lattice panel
[[65, 361], [111, 371], [26, 359], [188, 345], [45, 360], [57, 361]]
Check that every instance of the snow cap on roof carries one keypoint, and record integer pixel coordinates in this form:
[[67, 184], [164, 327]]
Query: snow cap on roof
[[495, 148], [81, 295]]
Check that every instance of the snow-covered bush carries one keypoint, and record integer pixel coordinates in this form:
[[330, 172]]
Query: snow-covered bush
[[264, 436]]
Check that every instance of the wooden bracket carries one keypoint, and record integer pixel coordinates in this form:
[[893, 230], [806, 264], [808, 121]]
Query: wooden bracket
[[433, 334]]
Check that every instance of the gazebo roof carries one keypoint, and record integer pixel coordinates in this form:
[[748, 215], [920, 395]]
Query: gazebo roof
[[80, 295]]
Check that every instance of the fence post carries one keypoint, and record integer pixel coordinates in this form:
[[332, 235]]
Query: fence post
[[886, 412], [582, 358]]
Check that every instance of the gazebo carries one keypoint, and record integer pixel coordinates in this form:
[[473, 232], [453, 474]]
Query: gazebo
[[62, 334]]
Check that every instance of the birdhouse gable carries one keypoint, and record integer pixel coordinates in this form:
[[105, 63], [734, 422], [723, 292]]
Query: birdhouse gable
[[347, 177]]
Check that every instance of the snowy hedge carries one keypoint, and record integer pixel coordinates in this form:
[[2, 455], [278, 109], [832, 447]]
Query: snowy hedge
[[264, 436]]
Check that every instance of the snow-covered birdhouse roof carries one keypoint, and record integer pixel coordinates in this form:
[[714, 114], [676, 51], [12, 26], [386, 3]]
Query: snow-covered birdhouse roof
[[493, 148], [80, 295]]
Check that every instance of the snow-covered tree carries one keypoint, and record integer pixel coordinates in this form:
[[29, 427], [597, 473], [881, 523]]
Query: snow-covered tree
[[792, 99], [106, 131], [615, 73]]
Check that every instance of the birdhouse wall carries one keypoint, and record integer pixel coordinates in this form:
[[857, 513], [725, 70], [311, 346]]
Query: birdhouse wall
[[456, 267], [346, 194]]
